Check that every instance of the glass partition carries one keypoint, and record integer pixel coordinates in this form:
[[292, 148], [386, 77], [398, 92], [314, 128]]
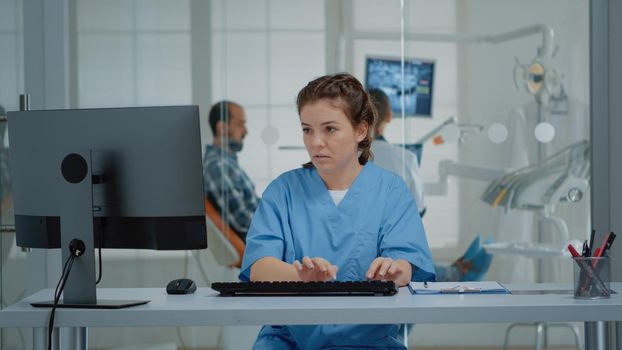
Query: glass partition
[[513, 165], [503, 150], [12, 259], [491, 97]]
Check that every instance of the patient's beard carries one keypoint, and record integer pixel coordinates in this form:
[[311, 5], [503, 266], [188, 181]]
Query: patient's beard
[[235, 146]]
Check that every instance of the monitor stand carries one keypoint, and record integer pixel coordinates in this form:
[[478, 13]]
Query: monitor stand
[[76, 222], [101, 304]]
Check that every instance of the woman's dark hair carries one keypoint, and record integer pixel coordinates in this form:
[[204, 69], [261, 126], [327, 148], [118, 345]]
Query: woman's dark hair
[[382, 104], [345, 92]]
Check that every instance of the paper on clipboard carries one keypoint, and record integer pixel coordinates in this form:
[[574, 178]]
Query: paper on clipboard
[[486, 287]]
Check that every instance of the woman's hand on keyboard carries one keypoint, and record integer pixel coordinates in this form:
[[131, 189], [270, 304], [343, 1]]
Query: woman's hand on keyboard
[[387, 269], [315, 269]]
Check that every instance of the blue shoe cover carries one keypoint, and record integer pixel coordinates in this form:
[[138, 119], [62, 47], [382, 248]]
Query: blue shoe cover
[[479, 260]]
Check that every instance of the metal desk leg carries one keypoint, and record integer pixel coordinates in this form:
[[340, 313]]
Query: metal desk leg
[[40, 338], [619, 335], [76, 338], [597, 336], [540, 335], [405, 335]]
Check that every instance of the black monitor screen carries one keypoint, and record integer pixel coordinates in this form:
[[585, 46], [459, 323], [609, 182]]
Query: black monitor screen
[[386, 74], [146, 169]]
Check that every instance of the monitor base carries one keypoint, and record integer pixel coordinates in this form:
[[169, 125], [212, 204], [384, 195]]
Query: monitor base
[[101, 304]]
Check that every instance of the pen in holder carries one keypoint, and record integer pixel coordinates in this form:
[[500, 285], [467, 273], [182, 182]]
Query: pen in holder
[[592, 276]]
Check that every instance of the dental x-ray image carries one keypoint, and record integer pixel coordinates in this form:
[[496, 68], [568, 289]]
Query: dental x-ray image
[[386, 74]]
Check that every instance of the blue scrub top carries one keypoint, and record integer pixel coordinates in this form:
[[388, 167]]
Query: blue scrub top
[[297, 217]]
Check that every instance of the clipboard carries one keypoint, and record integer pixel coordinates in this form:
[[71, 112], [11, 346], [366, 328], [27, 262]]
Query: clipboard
[[430, 288]]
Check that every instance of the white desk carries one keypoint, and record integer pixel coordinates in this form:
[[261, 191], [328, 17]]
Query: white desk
[[206, 308]]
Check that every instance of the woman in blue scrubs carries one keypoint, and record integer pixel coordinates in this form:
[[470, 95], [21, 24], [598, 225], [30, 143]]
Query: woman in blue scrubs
[[339, 217]]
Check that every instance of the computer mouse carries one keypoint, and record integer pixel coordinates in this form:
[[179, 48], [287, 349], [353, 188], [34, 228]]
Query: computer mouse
[[181, 286]]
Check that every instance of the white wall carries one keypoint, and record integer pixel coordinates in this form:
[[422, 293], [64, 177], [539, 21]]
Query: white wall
[[263, 53]]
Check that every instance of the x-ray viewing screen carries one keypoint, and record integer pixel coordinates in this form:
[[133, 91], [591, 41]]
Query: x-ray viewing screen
[[386, 74]]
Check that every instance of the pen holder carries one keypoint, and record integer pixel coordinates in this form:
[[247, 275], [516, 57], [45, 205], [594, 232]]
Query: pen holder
[[592, 276]]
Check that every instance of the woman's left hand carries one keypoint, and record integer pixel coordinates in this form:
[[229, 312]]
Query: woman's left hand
[[385, 269]]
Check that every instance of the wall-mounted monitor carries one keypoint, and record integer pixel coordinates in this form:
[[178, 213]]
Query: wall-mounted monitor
[[385, 73]]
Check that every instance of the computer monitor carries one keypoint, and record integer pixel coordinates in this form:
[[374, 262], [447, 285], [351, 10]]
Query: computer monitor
[[385, 73], [113, 178]]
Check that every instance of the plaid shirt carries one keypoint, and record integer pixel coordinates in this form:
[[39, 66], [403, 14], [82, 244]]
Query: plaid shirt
[[228, 186]]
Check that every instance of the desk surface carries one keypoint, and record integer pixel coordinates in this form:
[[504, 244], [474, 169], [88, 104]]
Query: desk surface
[[207, 308]]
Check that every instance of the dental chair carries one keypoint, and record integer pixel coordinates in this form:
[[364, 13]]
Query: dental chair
[[563, 177], [228, 250], [225, 244]]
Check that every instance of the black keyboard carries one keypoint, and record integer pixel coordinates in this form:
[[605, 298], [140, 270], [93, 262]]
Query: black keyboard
[[332, 288]]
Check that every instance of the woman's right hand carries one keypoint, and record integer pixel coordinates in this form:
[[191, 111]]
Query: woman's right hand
[[315, 269]]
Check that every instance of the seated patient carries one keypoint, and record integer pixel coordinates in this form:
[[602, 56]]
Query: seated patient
[[339, 217], [474, 264], [227, 186]]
